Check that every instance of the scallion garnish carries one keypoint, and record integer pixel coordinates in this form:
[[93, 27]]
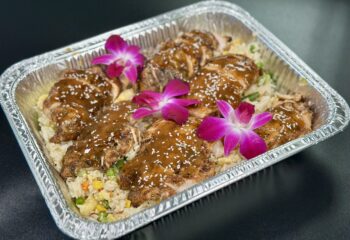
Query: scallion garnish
[[260, 65], [119, 164], [105, 203], [102, 217], [273, 77], [252, 48], [110, 172], [252, 97], [79, 201]]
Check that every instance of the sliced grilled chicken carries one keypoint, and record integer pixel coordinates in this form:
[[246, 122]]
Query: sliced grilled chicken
[[222, 78], [292, 118], [179, 58], [110, 137], [75, 99], [172, 158]]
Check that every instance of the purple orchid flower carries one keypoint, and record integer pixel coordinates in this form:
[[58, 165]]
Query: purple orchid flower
[[166, 103], [121, 58], [237, 128]]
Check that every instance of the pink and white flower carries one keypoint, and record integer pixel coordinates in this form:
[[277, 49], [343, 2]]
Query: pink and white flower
[[166, 103], [236, 127], [121, 58]]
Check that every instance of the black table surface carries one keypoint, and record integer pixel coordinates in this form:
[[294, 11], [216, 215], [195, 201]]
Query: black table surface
[[303, 197]]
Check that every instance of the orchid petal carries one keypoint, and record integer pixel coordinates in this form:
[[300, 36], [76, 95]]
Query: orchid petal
[[104, 59], [172, 111], [134, 55], [114, 70], [143, 112], [149, 98], [130, 72], [133, 50], [212, 128], [115, 44], [230, 142], [244, 112], [260, 120], [224, 108], [138, 60], [184, 102], [176, 88], [251, 145]]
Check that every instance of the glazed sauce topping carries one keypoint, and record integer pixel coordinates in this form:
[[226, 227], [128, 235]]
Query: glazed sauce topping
[[185, 53], [103, 141], [237, 65], [74, 101], [173, 154], [287, 124], [193, 37], [223, 78], [81, 89]]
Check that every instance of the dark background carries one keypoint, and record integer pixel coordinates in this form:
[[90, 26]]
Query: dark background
[[304, 197]]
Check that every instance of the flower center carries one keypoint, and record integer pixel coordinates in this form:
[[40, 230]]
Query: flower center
[[236, 124], [123, 59], [163, 102]]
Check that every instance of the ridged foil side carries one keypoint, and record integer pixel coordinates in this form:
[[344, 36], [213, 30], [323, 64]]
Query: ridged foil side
[[24, 82]]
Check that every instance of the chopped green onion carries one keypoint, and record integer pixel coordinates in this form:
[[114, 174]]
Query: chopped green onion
[[102, 217], [273, 77], [105, 203], [260, 65], [119, 164], [81, 173], [79, 201], [262, 80], [110, 172], [252, 97], [252, 48]]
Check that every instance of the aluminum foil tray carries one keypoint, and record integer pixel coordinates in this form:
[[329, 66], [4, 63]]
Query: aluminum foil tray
[[24, 82]]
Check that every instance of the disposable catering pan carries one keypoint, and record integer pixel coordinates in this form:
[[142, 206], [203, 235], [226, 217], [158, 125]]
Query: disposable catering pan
[[23, 83]]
